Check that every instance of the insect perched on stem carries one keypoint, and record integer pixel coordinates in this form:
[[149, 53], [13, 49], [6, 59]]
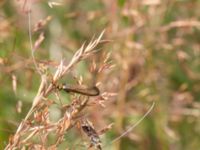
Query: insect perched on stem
[[92, 91]]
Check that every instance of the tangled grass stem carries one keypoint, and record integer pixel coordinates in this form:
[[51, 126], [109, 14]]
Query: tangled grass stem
[[44, 90]]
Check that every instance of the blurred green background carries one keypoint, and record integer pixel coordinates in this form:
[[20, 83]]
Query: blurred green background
[[155, 47]]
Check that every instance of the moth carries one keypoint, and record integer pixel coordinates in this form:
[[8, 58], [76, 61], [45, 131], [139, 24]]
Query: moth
[[91, 91]]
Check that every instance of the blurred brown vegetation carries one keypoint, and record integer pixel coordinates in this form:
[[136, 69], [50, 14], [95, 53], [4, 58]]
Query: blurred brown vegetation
[[154, 47]]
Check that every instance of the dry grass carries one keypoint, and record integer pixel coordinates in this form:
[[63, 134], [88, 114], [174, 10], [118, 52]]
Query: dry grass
[[37, 122], [155, 51]]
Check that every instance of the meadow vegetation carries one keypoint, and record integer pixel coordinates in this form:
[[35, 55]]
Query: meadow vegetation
[[125, 57]]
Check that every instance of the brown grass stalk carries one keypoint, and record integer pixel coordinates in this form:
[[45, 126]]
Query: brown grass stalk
[[26, 130]]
